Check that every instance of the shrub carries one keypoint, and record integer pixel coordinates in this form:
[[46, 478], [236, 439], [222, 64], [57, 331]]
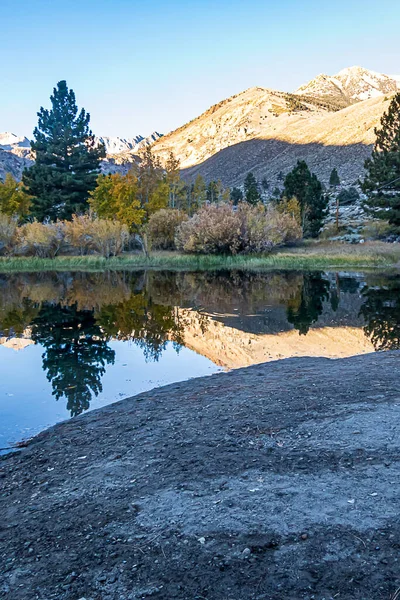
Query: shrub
[[8, 232], [213, 230], [219, 229], [79, 233], [265, 228], [379, 230], [109, 238], [162, 227], [41, 239]]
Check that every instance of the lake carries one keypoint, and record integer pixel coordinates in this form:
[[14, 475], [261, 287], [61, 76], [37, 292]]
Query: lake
[[72, 342]]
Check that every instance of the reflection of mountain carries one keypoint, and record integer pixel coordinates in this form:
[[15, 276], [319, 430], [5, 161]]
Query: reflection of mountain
[[233, 318], [232, 348]]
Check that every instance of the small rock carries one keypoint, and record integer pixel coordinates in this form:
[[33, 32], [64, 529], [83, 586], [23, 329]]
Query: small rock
[[304, 536], [246, 552], [202, 540]]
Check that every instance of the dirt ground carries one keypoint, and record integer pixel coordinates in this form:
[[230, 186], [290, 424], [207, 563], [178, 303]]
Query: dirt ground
[[279, 481]]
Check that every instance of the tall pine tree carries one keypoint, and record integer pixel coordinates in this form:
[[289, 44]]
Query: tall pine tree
[[300, 183], [67, 159], [251, 193], [382, 182]]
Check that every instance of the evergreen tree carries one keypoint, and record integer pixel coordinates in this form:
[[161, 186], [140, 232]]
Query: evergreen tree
[[67, 160], [236, 196], [251, 193], [334, 179], [304, 185], [382, 182], [264, 184], [281, 176]]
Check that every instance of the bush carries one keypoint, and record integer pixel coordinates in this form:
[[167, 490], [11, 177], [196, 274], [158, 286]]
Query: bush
[[251, 229], [79, 233], [213, 230], [41, 239], [379, 230], [8, 232], [162, 227], [109, 238]]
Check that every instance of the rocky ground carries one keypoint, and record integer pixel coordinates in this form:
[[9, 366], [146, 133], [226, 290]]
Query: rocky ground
[[279, 481]]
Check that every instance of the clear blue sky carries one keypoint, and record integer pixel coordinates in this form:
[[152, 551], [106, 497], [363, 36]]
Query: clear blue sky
[[139, 66]]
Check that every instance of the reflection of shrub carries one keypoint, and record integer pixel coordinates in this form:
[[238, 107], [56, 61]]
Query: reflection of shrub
[[162, 227], [109, 238], [79, 233], [8, 230], [41, 239], [221, 230], [348, 196], [379, 230]]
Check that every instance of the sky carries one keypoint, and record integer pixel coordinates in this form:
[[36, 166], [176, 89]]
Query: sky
[[152, 65]]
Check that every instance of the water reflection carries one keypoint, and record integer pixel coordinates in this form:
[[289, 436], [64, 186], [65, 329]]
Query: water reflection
[[76, 353], [381, 311], [229, 317]]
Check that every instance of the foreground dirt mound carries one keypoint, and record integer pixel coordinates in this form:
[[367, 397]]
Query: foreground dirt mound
[[279, 481]]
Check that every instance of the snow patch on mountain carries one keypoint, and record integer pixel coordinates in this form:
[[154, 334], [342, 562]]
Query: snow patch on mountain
[[353, 84], [117, 145], [8, 141]]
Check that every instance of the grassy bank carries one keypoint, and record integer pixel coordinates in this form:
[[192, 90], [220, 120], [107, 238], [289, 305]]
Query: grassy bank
[[311, 256]]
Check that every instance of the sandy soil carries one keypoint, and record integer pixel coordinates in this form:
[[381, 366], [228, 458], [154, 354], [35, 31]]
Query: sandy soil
[[278, 481]]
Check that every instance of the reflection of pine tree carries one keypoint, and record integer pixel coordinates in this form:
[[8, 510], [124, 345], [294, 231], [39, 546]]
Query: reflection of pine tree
[[150, 326], [76, 353], [309, 306], [381, 311]]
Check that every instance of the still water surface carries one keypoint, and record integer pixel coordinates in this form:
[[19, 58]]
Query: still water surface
[[75, 342]]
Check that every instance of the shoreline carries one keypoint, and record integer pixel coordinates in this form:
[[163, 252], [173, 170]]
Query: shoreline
[[312, 256], [279, 479]]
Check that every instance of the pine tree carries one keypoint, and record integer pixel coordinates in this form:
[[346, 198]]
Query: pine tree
[[251, 193], [382, 182], [334, 179], [236, 195], [67, 159], [300, 183]]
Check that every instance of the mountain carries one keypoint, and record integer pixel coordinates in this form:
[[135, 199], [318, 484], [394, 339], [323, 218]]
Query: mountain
[[9, 141], [117, 145], [12, 163], [267, 132], [16, 154], [350, 85], [328, 122]]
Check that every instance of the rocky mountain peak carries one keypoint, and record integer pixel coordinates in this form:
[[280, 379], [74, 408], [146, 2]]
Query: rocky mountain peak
[[350, 85]]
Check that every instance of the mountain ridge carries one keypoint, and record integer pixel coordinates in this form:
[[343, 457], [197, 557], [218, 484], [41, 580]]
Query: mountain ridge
[[329, 122]]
